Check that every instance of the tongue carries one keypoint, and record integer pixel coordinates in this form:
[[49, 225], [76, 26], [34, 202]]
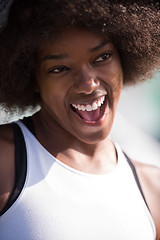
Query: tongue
[[89, 116]]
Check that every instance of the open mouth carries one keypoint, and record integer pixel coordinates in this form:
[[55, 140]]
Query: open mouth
[[90, 112]]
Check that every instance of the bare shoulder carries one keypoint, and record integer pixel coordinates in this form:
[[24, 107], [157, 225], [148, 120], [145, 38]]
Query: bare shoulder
[[6, 139], [7, 166], [150, 173], [6, 131], [149, 177]]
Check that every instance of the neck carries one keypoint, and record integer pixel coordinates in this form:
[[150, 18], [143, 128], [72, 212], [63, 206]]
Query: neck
[[96, 158]]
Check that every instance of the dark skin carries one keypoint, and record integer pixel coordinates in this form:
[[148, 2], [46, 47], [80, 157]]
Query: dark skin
[[66, 78], [7, 169]]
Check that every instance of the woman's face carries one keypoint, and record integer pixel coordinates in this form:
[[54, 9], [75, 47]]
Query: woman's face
[[79, 78]]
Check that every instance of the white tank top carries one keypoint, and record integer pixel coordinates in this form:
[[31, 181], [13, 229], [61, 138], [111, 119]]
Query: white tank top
[[60, 203]]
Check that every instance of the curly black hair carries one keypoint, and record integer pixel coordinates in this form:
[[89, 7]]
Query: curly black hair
[[132, 26]]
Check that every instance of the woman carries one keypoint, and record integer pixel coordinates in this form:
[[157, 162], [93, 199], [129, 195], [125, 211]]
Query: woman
[[61, 177]]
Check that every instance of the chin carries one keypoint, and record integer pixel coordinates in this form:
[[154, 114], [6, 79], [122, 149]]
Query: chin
[[94, 138]]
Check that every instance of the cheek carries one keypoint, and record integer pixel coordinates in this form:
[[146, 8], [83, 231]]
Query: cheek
[[48, 94], [114, 79], [117, 77], [47, 87], [117, 85]]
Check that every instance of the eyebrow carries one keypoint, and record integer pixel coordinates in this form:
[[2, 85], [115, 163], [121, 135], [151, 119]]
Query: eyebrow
[[53, 57], [99, 46], [63, 56]]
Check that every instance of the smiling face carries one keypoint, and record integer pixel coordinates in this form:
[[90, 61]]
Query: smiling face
[[79, 78]]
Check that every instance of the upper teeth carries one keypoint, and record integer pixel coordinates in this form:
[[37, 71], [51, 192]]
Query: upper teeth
[[90, 107]]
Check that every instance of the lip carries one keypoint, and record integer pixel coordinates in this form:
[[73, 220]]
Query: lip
[[88, 100], [103, 114]]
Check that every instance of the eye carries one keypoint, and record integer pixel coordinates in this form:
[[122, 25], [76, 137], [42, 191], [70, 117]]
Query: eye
[[102, 58], [58, 69]]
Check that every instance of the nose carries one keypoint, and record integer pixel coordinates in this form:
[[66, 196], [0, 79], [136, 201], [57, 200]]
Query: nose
[[86, 81]]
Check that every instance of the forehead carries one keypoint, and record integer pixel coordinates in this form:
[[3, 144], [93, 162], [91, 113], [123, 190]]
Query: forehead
[[72, 38], [73, 33]]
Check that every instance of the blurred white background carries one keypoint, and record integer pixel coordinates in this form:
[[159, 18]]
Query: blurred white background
[[140, 105], [137, 124]]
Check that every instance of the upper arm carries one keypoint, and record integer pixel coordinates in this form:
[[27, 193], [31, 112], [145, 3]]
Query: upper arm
[[149, 177], [7, 163]]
